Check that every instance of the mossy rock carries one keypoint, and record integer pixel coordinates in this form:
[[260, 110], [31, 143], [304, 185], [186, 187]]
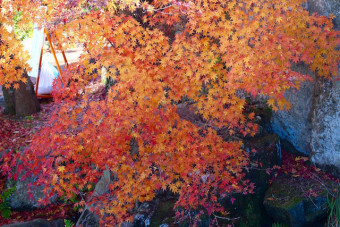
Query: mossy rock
[[285, 203], [268, 153], [164, 213], [249, 208]]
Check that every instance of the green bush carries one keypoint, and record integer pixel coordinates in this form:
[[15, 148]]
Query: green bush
[[5, 209]]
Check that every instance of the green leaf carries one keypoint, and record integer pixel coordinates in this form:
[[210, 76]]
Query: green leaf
[[68, 223], [6, 213]]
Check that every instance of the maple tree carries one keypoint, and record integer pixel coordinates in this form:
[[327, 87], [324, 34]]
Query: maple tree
[[17, 89], [159, 53], [13, 60]]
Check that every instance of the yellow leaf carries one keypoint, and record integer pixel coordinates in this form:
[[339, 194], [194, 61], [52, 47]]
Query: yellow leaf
[[61, 169]]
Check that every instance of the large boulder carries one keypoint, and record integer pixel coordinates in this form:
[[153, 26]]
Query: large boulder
[[294, 125], [325, 134], [312, 125], [20, 199], [326, 7]]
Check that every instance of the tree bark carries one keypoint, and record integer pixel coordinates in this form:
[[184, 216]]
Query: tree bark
[[21, 101]]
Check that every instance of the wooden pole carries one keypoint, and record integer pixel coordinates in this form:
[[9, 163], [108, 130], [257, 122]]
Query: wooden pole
[[53, 52], [39, 70], [64, 56]]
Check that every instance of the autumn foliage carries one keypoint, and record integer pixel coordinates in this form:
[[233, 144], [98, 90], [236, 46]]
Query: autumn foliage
[[160, 53], [13, 60]]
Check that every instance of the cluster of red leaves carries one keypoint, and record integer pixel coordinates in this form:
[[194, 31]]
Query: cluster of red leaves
[[299, 166], [307, 177]]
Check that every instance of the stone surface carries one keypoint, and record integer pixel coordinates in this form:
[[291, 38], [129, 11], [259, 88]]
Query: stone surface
[[294, 125], [285, 203], [325, 134], [326, 7], [268, 153], [20, 199], [39, 223], [312, 125], [2, 100], [87, 218], [250, 207]]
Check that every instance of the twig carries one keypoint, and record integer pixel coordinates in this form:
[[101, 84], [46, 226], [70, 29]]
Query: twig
[[225, 218]]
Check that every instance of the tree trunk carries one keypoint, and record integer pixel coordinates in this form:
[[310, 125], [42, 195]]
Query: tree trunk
[[21, 101]]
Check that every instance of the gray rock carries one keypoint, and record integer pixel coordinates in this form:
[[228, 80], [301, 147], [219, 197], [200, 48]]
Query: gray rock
[[312, 125], [294, 125], [88, 218], [20, 198], [102, 186], [164, 225], [325, 135], [326, 7], [268, 153], [39, 223], [2, 100]]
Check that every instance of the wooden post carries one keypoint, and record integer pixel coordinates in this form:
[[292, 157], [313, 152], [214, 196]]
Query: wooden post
[[53, 52], [64, 58], [39, 69]]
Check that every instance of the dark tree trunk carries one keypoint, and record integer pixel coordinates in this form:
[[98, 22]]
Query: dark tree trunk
[[21, 101], [9, 100]]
